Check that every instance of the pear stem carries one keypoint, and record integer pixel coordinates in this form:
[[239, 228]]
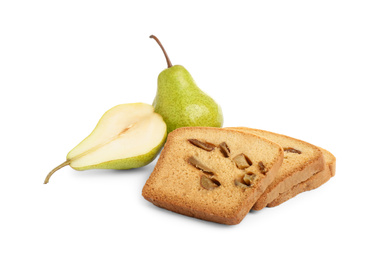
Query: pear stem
[[56, 169], [165, 53]]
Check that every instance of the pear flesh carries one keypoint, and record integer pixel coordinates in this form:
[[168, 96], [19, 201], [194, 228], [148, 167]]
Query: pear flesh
[[127, 136]]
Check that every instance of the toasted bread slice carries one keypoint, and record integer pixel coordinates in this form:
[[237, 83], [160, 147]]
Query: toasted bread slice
[[212, 174], [315, 181], [301, 161]]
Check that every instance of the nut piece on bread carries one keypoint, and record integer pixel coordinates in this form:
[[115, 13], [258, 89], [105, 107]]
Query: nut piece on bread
[[315, 181], [301, 161], [220, 184]]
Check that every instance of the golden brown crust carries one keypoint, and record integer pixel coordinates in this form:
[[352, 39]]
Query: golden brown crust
[[315, 181], [227, 204], [295, 169], [285, 184]]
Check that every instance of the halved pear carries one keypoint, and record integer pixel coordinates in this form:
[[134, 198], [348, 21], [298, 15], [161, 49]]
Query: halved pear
[[126, 136]]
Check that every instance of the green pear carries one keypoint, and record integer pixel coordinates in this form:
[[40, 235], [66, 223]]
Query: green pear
[[181, 102], [126, 136]]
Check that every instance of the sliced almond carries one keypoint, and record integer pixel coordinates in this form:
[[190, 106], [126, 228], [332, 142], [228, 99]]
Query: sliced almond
[[209, 183], [199, 165], [224, 149], [206, 146], [242, 161]]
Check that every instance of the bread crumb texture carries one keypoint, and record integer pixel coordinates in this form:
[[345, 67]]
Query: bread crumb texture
[[176, 183]]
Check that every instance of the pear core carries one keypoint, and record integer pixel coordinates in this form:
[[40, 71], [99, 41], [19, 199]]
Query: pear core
[[127, 136], [124, 131]]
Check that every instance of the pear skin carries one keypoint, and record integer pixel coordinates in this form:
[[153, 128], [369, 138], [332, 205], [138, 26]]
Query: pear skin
[[181, 102], [127, 136]]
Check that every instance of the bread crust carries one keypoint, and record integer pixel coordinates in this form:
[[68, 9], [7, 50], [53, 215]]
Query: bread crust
[[235, 219], [179, 205], [315, 181], [285, 181]]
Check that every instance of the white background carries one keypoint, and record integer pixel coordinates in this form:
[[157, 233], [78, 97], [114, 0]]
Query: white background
[[308, 69]]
